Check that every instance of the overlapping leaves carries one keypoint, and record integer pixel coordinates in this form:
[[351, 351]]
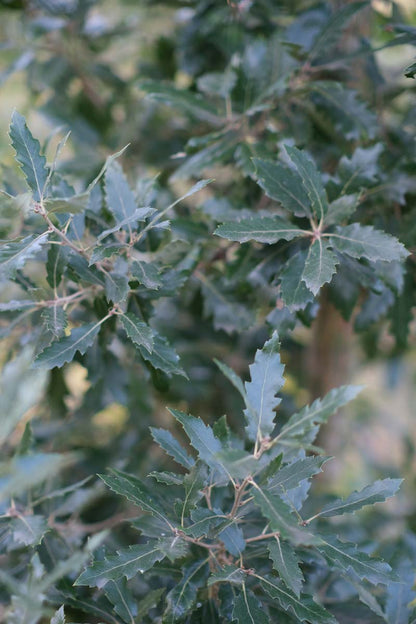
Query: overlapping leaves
[[204, 511]]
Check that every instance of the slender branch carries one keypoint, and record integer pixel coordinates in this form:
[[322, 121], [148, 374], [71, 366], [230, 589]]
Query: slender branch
[[263, 536]]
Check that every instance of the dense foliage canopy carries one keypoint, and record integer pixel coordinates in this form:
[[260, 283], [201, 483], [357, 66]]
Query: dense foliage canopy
[[189, 189]]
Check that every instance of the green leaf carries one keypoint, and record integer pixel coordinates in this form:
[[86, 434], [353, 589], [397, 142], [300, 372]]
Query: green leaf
[[64, 350], [140, 214], [232, 377], [28, 530], [168, 478], [289, 476], [120, 198], [284, 185], [21, 388], [342, 108], [173, 547], [229, 314], [194, 482], [139, 333], [14, 254], [55, 319], [28, 155], [361, 170], [116, 287], [137, 492], [55, 265], [345, 557], [341, 209], [233, 539], [23, 473], [59, 617], [181, 99], [150, 601], [248, 609], [266, 380], [203, 440], [100, 253], [377, 492], [311, 181], [286, 564], [128, 562], [301, 423], [170, 444], [207, 521], [211, 156], [261, 229], [74, 204], [293, 289], [304, 607], [218, 83], [320, 266], [146, 273], [363, 241], [122, 599], [79, 266], [162, 356], [238, 463], [228, 574], [182, 598], [280, 518], [333, 28]]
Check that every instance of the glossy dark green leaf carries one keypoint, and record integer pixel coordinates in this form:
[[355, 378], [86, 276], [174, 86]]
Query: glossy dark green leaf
[[183, 99], [137, 492], [311, 181], [64, 349], [139, 333], [284, 185], [279, 515], [55, 320], [363, 241], [203, 440], [194, 482], [182, 598], [127, 562], [341, 209], [146, 273], [289, 476], [331, 32], [28, 155], [262, 229], [122, 599], [360, 170], [349, 560], [14, 254], [116, 287], [377, 492], [170, 444], [55, 265], [286, 564], [228, 574], [162, 356], [266, 380], [302, 422], [293, 289], [304, 607], [320, 266], [120, 198], [248, 609]]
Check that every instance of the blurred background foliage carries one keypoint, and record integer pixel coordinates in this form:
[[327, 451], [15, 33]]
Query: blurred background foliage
[[93, 67]]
